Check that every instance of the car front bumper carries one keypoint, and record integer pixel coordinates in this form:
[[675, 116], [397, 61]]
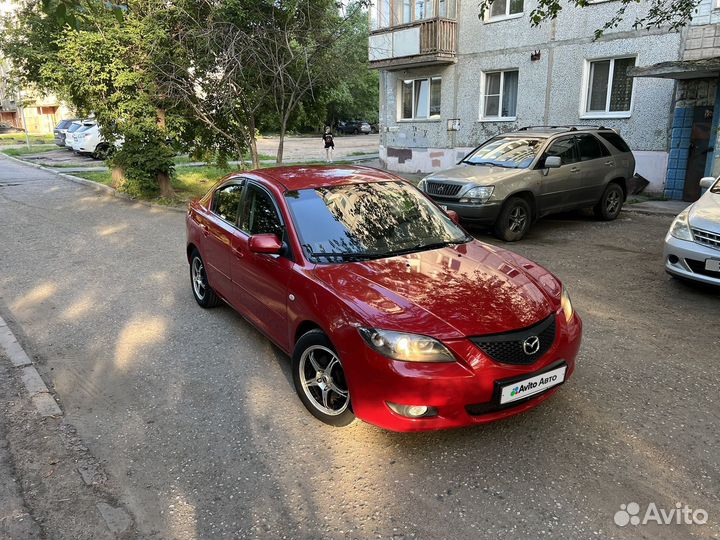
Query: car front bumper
[[473, 213], [687, 260], [463, 393]]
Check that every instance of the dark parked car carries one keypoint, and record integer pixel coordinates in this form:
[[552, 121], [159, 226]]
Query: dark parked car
[[7, 128], [517, 177], [391, 312], [353, 127], [61, 130]]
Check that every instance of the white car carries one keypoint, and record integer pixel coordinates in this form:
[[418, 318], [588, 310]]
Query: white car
[[74, 138], [692, 245], [93, 143]]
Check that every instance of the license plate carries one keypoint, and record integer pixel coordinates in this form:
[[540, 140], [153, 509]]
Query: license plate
[[533, 385], [713, 265]]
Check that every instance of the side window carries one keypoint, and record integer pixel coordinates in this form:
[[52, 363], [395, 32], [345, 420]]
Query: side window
[[565, 148], [259, 214], [616, 140], [590, 148], [227, 202]]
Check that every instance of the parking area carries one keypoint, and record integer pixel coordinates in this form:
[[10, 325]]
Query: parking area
[[195, 421], [295, 149]]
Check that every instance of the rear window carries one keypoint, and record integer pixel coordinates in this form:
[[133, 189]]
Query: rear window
[[63, 124], [615, 139]]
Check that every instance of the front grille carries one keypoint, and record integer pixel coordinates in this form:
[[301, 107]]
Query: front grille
[[707, 238], [439, 188], [699, 268], [507, 348]]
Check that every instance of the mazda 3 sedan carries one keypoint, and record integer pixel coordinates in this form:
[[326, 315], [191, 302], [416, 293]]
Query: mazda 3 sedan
[[390, 312]]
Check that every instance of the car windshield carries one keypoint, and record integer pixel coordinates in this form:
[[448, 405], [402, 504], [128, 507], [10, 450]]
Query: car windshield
[[369, 221], [511, 152]]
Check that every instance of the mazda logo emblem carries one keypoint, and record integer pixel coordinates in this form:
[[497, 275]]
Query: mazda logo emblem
[[531, 345]]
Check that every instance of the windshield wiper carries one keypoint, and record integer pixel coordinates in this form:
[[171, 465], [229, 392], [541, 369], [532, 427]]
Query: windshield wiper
[[346, 256], [491, 163], [426, 247]]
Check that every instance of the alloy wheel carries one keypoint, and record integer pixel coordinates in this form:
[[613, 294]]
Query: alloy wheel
[[613, 202], [518, 219], [323, 380], [199, 280]]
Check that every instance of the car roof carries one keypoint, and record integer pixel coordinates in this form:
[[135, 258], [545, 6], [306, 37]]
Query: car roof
[[549, 131], [314, 176]]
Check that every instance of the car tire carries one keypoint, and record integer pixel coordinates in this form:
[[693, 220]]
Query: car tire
[[610, 204], [102, 151], [203, 293], [514, 220], [319, 379], [356, 132]]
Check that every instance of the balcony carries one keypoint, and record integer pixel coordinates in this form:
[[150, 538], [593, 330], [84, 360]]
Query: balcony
[[412, 33]]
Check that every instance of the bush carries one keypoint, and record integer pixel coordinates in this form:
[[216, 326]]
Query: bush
[[144, 155]]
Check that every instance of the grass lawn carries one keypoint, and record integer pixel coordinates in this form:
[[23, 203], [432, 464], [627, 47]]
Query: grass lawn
[[189, 182], [183, 159], [19, 138], [24, 151]]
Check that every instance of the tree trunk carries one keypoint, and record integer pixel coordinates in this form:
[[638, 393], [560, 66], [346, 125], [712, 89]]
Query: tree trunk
[[166, 190], [118, 177], [281, 145], [253, 144]]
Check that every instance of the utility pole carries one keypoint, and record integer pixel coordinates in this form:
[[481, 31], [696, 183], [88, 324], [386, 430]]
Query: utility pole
[[22, 115]]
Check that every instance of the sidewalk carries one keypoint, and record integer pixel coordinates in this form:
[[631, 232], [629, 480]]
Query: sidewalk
[[661, 208]]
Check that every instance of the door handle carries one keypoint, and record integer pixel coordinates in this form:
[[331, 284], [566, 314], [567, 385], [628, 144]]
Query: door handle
[[237, 253], [574, 169], [204, 229], [609, 163]]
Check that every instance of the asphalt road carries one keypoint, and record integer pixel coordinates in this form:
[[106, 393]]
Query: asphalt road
[[194, 418]]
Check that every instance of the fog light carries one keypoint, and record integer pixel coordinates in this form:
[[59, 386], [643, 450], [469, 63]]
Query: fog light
[[413, 411], [673, 259]]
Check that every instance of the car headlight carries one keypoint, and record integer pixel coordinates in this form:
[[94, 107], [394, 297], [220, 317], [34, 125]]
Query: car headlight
[[406, 347], [566, 305], [680, 228], [477, 195], [422, 184]]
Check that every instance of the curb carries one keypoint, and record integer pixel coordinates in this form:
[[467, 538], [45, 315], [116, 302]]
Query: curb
[[96, 186], [39, 394]]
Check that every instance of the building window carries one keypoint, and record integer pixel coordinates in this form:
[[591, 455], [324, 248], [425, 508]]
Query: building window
[[609, 87], [499, 97], [424, 9], [420, 98], [389, 13], [501, 9]]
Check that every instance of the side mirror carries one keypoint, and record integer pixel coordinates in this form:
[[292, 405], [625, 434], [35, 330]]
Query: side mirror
[[553, 162], [707, 182], [453, 215], [265, 243]]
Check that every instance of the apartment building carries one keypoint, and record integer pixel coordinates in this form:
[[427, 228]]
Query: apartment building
[[450, 79]]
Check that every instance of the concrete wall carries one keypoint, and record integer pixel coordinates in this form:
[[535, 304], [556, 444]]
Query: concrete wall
[[550, 89]]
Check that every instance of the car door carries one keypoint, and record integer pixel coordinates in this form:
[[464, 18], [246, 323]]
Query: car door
[[260, 281], [218, 227], [557, 184], [595, 164]]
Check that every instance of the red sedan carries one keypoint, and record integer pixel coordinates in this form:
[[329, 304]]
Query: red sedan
[[390, 311]]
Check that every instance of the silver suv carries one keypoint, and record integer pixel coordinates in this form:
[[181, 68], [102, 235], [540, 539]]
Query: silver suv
[[515, 178]]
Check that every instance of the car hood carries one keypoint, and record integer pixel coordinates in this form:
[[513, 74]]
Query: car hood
[[478, 174], [448, 293], [705, 213]]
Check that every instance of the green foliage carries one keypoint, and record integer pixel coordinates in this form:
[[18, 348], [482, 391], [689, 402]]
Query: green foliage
[[143, 156]]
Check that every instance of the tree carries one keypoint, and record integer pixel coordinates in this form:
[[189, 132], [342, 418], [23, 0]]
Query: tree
[[673, 14]]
